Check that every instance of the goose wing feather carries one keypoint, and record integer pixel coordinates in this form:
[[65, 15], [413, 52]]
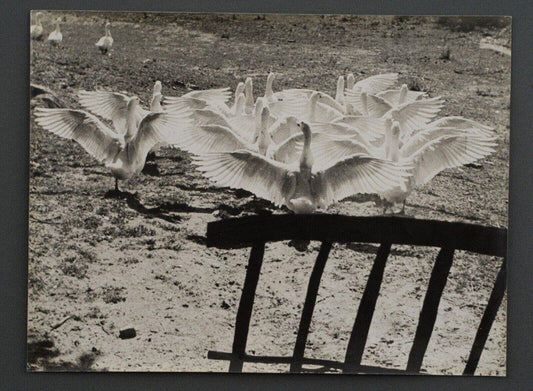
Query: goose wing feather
[[215, 97], [358, 173], [160, 127], [209, 139], [112, 106], [393, 96], [249, 171], [446, 148], [369, 128], [459, 122], [377, 83], [84, 128], [327, 150], [415, 115]]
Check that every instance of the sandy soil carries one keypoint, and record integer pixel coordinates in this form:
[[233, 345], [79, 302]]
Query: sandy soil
[[108, 265]]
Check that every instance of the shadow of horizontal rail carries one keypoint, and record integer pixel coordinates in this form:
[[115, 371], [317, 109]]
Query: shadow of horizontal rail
[[245, 231], [215, 355]]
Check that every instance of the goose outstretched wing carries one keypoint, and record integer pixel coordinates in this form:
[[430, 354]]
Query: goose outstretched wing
[[84, 128], [250, 171]]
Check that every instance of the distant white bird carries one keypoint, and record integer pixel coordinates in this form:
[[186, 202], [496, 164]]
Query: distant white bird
[[55, 37], [124, 154], [36, 30], [105, 43], [300, 187]]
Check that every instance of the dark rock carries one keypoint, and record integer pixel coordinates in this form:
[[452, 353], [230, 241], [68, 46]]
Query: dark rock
[[127, 333]]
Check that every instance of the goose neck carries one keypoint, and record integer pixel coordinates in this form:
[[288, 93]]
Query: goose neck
[[403, 94], [306, 160], [268, 89], [392, 145]]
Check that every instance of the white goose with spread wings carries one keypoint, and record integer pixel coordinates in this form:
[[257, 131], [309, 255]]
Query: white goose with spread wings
[[123, 153], [431, 151], [302, 188]]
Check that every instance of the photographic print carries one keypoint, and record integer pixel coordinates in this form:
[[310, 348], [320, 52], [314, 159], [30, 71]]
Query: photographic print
[[274, 193]]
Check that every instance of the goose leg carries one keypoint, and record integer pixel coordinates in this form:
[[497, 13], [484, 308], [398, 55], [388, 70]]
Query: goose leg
[[403, 208], [116, 185]]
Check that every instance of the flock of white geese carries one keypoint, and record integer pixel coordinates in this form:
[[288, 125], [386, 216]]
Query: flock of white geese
[[300, 148], [56, 36]]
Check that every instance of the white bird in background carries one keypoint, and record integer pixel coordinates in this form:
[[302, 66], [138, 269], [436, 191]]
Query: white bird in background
[[123, 153], [55, 37], [302, 188], [36, 30], [105, 43]]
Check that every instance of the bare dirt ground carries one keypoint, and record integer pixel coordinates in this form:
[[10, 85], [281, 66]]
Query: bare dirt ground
[[109, 263]]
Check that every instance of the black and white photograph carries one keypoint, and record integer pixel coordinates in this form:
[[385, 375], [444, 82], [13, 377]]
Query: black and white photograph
[[268, 193]]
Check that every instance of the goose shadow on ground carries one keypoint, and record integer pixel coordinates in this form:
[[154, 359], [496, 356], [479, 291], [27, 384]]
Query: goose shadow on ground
[[166, 211]]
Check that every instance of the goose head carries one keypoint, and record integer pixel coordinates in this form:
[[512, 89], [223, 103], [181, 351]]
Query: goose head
[[350, 110], [258, 115], [157, 87], [57, 24], [155, 104], [239, 104], [306, 160], [107, 29], [239, 90], [292, 123], [403, 94], [311, 104], [133, 103], [364, 103], [248, 92], [38, 17], [259, 104], [268, 89], [339, 96], [350, 81]]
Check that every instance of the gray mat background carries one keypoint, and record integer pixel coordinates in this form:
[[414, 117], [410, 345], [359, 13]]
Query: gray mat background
[[14, 49]]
